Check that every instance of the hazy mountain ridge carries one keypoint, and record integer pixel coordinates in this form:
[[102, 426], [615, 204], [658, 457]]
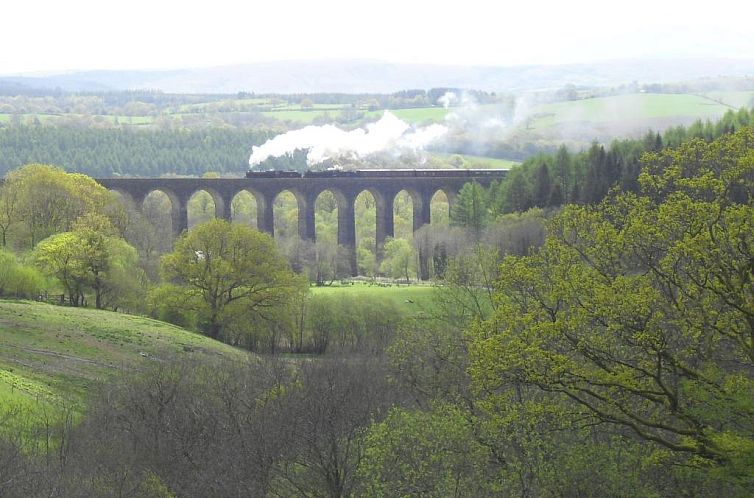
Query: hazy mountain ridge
[[364, 76]]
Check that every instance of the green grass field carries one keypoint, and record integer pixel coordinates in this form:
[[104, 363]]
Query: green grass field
[[314, 108], [299, 116], [413, 298], [419, 115], [478, 162], [54, 355], [626, 108], [734, 99]]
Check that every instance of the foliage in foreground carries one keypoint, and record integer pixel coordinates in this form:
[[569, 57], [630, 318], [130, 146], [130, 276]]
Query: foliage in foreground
[[210, 429], [17, 279], [637, 314]]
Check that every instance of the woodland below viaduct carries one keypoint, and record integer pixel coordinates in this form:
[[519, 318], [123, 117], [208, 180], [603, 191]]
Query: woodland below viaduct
[[384, 186]]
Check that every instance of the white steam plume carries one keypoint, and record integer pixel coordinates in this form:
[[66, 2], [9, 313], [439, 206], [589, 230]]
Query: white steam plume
[[448, 99], [330, 142]]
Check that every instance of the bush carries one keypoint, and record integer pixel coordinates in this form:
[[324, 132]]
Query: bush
[[18, 280], [350, 324]]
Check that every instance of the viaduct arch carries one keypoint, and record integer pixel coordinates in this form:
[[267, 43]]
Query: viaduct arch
[[384, 185]]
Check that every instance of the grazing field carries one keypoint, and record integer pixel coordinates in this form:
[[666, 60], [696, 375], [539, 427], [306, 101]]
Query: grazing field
[[417, 115], [627, 108], [413, 298], [299, 116], [735, 99], [477, 162], [52, 355], [578, 123]]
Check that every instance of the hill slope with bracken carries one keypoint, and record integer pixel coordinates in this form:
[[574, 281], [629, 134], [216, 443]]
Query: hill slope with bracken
[[51, 356]]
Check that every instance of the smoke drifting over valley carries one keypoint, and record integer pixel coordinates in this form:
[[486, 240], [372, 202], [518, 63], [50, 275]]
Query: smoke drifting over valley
[[330, 142], [390, 135]]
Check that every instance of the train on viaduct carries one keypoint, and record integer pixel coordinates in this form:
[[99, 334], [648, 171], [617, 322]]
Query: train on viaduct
[[384, 185]]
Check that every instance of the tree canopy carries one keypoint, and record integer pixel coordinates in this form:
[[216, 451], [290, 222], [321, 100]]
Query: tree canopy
[[638, 313], [39, 200], [232, 269], [93, 258]]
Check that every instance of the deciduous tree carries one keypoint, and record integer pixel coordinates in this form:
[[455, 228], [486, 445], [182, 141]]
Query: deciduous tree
[[639, 312], [233, 268], [48, 200], [91, 257], [399, 260]]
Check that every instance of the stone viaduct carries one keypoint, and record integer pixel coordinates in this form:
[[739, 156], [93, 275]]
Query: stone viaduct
[[384, 185]]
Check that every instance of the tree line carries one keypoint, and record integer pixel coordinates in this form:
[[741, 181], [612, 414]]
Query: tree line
[[17, 99], [563, 177], [115, 151]]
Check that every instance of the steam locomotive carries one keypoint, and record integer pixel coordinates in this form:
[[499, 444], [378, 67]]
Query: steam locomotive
[[376, 173]]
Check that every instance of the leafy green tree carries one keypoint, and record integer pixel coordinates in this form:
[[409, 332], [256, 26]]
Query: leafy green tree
[[8, 210], [366, 261], [638, 313], [18, 280], [200, 208], [109, 263], [399, 260], [471, 208], [92, 257], [57, 256], [234, 269], [426, 453], [48, 200]]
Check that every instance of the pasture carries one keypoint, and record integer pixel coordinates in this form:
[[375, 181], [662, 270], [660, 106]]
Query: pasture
[[55, 355], [476, 162], [416, 115], [411, 298], [633, 108]]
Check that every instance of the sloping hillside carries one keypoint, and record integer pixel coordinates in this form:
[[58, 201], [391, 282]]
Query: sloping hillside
[[52, 355]]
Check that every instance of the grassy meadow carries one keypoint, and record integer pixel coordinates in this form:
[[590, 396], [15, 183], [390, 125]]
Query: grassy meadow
[[412, 298], [640, 109], [578, 123], [53, 355], [477, 162]]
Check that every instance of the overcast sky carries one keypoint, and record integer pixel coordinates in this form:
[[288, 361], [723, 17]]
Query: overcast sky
[[85, 34]]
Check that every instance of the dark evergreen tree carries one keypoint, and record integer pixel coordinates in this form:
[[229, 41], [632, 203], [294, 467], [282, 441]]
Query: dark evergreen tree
[[556, 197], [470, 208], [563, 171], [542, 187], [518, 196]]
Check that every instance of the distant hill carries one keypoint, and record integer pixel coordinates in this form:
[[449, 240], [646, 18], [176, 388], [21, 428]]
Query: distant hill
[[367, 76]]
